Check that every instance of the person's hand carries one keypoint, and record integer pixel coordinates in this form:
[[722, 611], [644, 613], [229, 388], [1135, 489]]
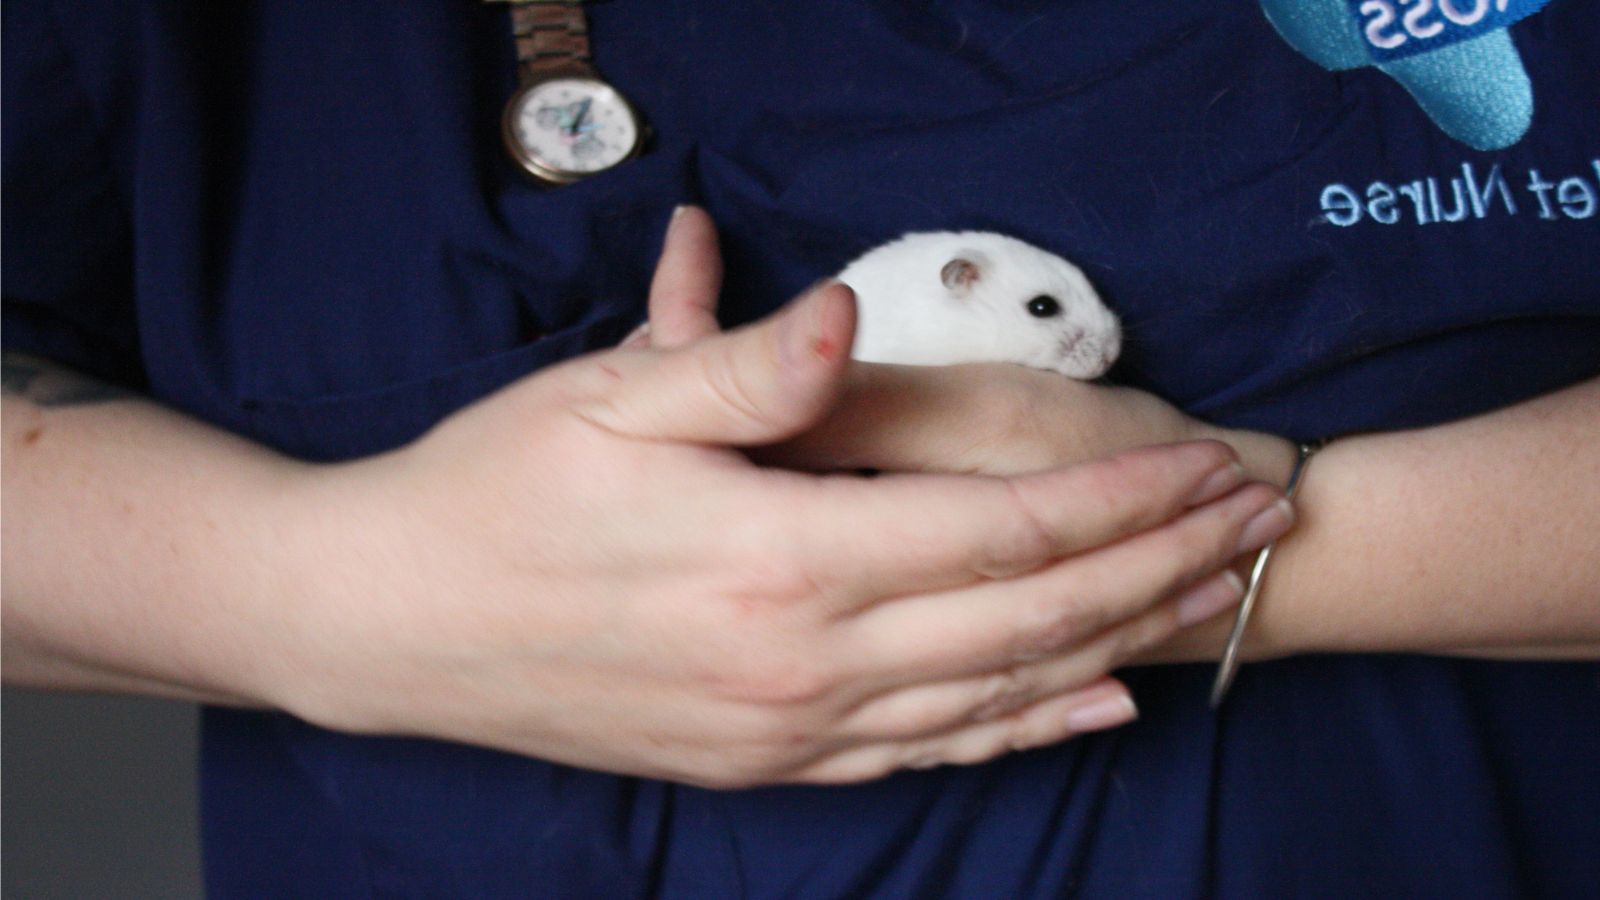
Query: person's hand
[[1000, 419], [991, 419], [579, 568]]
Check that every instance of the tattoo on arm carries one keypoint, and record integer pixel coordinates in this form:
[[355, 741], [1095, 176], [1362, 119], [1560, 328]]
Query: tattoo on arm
[[47, 385]]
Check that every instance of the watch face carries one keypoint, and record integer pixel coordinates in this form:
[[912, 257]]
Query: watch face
[[566, 128]]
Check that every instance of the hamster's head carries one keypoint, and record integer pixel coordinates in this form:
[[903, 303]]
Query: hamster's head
[[1044, 311]]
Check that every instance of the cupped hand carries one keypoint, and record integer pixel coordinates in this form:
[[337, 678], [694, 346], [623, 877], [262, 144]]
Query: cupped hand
[[975, 418], [1000, 419], [583, 568]]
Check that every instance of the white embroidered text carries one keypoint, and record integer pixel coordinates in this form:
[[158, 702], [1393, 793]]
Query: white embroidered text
[[1473, 194]]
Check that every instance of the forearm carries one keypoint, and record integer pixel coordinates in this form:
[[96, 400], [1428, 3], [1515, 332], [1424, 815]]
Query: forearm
[[1480, 537], [138, 546]]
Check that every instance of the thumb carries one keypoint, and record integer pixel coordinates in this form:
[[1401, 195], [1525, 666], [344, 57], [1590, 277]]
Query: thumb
[[683, 293], [756, 385]]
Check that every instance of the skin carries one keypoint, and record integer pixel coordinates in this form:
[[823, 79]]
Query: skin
[[1479, 537], [1475, 538], [586, 568]]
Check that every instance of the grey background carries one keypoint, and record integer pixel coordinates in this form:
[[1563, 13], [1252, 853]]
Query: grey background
[[97, 797]]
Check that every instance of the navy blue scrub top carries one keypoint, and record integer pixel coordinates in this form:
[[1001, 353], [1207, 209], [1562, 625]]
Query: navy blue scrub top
[[296, 221]]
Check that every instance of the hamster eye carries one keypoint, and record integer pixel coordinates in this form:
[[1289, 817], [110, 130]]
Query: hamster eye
[[1044, 306]]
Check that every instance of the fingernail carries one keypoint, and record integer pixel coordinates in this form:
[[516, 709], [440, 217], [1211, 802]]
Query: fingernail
[[639, 337], [1267, 526], [1212, 596], [817, 285], [1103, 712], [679, 210], [1218, 483]]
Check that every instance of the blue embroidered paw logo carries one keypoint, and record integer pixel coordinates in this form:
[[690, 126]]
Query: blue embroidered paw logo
[[1454, 56]]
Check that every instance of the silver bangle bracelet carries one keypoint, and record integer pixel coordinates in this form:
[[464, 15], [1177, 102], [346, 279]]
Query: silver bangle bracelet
[[1229, 666]]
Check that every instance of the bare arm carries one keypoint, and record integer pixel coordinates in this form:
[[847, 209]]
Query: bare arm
[[127, 564], [1479, 537], [582, 568]]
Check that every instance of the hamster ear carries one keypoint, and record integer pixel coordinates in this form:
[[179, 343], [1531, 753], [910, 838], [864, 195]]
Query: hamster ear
[[960, 274]]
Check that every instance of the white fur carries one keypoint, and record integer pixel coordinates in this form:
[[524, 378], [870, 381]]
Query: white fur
[[908, 315]]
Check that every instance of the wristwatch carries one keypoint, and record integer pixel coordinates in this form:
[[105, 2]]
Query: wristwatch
[[565, 122]]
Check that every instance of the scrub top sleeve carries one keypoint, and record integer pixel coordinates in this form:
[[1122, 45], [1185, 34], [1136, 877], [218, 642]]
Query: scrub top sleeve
[[65, 234]]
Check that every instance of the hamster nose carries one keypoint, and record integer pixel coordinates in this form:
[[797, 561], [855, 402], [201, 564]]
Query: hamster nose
[[1071, 339]]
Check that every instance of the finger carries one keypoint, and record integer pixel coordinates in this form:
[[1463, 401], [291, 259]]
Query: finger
[[926, 709], [754, 385], [998, 624], [1107, 704], [901, 418], [688, 278], [910, 533]]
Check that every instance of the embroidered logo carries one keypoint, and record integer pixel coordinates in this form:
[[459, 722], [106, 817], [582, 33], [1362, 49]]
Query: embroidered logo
[[1455, 57]]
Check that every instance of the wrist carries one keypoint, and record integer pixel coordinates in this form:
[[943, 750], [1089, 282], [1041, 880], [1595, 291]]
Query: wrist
[[1269, 459], [253, 587], [1265, 457], [315, 602], [1260, 638], [359, 617]]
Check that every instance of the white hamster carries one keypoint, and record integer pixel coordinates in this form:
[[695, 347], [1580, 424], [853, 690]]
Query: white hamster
[[947, 297]]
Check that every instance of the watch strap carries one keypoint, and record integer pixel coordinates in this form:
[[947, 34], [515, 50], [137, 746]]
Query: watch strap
[[552, 38]]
